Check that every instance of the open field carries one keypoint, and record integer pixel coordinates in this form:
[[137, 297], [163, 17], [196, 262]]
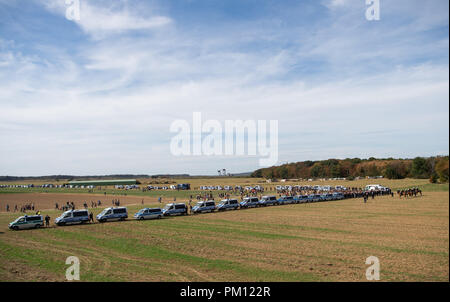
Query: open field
[[244, 181], [45, 198], [326, 241]]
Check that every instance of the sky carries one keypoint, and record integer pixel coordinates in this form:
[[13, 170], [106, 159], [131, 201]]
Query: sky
[[98, 95]]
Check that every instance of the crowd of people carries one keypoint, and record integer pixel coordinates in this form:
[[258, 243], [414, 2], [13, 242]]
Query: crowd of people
[[352, 192], [23, 208]]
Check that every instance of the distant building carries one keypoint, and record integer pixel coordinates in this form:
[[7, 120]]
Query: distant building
[[109, 182]]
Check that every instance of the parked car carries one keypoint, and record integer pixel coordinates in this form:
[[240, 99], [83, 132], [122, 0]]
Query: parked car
[[27, 222], [149, 213], [269, 200], [72, 217], [204, 206], [328, 197], [183, 186], [312, 198], [286, 200], [301, 198], [338, 196], [228, 204], [113, 214], [317, 197], [172, 209], [250, 202]]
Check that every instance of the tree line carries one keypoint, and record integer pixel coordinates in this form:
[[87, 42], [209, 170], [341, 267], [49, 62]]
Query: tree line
[[435, 168]]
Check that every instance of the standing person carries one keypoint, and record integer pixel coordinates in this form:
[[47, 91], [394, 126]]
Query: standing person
[[91, 217], [47, 221], [142, 201], [7, 208], [159, 199]]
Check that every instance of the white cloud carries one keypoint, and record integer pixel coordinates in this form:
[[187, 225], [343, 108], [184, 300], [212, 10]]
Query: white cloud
[[99, 21], [113, 99], [105, 18]]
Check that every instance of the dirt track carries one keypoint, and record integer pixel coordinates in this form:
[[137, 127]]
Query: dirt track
[[45, 201]]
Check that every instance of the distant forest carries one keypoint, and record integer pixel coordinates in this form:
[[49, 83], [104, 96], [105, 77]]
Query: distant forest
[[435, 168]]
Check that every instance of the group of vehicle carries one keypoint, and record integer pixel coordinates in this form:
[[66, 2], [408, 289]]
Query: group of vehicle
[[257, 188], [48, 186], [172, 209]]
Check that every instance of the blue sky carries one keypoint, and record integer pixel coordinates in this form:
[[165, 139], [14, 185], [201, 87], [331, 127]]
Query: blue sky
[[98, 95]]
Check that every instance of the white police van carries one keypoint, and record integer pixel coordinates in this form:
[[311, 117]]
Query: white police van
[[328, 197], [204, 206], [113, 214], [228, 204], [149, 213], [174, 209], [250, 202], [72, 217], [269, 200], [316, 197], [27, 222], [338, 196], [286, 200], [301, 198]]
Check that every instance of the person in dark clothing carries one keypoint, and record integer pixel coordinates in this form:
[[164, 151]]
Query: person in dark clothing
[[47, 221], [91, 217]]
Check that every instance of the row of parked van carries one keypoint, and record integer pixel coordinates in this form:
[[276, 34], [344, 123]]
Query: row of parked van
[[172, 209]]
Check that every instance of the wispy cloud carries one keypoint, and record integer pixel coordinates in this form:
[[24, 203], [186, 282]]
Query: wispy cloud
[[109, 92], [106, 17]]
